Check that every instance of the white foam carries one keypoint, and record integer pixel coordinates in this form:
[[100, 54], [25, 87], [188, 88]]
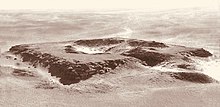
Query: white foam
[[210, 67], [167, 69], [88, 50]]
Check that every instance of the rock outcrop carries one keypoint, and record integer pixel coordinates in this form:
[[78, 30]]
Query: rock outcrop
[[197, 52], [68, 72], [150, 58], [191, 77], [73, 61]]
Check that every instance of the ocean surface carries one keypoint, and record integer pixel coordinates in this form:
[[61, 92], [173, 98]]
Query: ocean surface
[[188, 27]]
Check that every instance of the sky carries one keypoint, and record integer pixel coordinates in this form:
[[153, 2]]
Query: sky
[[106, 4]]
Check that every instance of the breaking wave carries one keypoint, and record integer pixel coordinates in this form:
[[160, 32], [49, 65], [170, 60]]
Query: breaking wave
[[209, 67]]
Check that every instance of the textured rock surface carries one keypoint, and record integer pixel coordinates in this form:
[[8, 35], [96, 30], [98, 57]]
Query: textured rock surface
[[150, 58], [73, 61], [191, 77], [68, 72]]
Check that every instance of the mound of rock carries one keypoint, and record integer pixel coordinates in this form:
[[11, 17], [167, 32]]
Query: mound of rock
[[149, 57], [197, 52], [69, 72], [142, 43], [191, 77], [65, 61]]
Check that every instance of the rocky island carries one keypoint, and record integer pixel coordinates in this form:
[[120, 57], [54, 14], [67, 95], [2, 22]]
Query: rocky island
[[73, 61]]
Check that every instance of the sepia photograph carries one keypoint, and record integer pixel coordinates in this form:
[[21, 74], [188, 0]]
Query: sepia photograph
[[110, 53]]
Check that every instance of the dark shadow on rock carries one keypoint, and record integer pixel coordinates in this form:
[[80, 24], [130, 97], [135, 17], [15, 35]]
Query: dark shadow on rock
[[186, 66], [150, 58], [191, 77], [197, 52]]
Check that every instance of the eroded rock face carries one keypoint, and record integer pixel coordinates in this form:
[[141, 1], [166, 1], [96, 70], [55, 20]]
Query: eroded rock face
[[197, 52], [99, 42], [200, 53], [150, 58], [141, 43], [72, 66], [186, 66]]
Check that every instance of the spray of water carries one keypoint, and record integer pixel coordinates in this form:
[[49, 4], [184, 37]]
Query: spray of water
[[210, 67]]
